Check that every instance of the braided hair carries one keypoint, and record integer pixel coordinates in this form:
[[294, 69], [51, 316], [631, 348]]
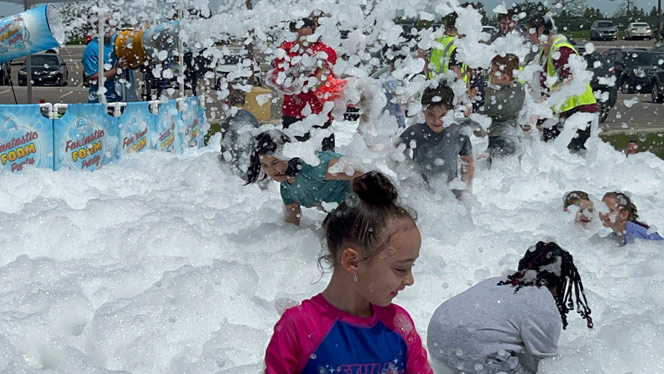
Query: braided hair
[[546, 264]]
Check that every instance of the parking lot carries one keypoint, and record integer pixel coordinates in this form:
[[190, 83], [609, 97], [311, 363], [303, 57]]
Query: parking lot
[[633, 111]]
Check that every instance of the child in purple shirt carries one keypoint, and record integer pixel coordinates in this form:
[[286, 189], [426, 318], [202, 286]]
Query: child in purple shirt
[[622, 218]]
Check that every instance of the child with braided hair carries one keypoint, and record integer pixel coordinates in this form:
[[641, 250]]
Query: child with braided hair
[[622, 218], [509, 324]]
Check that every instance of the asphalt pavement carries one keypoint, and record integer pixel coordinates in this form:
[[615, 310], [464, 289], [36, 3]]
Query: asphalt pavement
[[631, 111]]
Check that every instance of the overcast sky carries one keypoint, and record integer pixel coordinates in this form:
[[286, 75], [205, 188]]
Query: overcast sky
[[608, 6]]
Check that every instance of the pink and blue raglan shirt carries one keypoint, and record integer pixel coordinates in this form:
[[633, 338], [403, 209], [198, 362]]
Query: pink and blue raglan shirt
[[315, 337]]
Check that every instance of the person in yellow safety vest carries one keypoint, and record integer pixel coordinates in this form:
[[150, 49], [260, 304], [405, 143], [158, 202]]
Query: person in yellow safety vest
[[444, 59], [554, 57]]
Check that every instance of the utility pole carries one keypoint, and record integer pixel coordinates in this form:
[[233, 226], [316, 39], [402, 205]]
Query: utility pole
[[28, 65], [659, 21], [250, 48]]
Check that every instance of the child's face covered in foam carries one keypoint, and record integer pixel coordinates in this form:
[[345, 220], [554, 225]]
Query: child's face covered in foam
[[613, 217], [499, 75], [584, 212]]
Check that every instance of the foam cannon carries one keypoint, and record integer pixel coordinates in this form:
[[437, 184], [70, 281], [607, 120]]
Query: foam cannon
[[156, 42], [29, 32]]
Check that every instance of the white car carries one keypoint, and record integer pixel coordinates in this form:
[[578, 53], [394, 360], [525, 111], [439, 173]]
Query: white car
[[489, 30], [638, 30]]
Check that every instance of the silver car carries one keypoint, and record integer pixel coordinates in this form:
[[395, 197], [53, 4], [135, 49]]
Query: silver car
[[638, 30], [604, 29]]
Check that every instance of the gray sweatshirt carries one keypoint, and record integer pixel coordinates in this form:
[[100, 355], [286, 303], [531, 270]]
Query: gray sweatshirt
[[503, 105], [487, 323], [237, 141]]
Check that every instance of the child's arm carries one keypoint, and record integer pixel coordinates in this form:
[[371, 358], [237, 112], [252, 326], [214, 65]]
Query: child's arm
[[467, 170], [341, 175], [424, 54], [292, 213]]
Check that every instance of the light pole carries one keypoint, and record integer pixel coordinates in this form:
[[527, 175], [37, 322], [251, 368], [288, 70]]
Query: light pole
[[28, 65], [659, 20]]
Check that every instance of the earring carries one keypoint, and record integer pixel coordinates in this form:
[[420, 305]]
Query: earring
[[355, 277]]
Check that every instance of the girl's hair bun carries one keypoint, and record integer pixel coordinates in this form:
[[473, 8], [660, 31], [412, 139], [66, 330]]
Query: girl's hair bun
[[375, 188]]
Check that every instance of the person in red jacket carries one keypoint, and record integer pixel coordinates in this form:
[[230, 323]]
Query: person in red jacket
[[306, 62]]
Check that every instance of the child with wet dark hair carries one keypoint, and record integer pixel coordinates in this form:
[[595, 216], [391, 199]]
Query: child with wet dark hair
[[353, 326], [622, 217], [301, 184], [582, 206], [439, 144], [509, 324]]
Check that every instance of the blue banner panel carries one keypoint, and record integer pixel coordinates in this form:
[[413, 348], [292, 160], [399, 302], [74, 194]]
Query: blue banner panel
[[32, 31], [194, 126], [26, 137], [85, 138], [135, 127], [168, 125]]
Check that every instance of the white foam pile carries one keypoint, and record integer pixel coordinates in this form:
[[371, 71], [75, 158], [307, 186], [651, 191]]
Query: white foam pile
[[166, 263]]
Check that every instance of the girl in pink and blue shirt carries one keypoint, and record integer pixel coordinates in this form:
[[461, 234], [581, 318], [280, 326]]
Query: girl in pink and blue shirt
[[352, 326]]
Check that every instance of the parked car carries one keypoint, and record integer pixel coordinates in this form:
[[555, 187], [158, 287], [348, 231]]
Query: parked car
[[656, 77], [603, 30], [632, 68], [489, 30], [638, 30], [603, 83], [47, 69], [659, 49]]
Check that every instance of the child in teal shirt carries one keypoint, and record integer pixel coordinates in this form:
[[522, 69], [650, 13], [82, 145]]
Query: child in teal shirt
[[301, 184]]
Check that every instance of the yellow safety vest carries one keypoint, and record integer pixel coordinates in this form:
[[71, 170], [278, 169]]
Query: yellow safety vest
[[586, 98], [441, 58]]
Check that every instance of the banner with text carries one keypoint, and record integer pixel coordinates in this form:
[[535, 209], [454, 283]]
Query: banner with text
[[135, 128], [26, 137], [85, 137], [195, 126], [168, 128]]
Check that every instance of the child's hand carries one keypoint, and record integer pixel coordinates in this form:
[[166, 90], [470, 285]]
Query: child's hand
[[532, 120]]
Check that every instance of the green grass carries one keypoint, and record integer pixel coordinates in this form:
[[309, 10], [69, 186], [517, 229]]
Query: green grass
[[652, 141], [579, 34], [76, 41]]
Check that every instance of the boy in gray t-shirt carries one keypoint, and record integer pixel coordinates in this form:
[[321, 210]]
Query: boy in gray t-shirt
[[504, 101], [437, 146]]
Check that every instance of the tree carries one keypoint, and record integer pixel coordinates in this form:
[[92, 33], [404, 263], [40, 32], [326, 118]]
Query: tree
[[533, 9], [653, 12]]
